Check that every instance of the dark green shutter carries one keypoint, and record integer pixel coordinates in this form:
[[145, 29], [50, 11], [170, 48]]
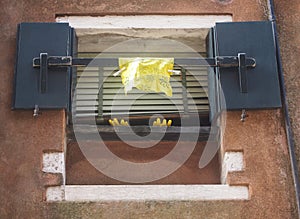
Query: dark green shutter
[[33, 39], [256, 40]]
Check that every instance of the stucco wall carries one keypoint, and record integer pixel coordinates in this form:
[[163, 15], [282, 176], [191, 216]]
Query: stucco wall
[[24, 139], [288, 16]]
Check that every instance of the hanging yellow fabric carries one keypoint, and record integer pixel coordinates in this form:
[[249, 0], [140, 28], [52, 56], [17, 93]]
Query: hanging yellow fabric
[[147, 74]]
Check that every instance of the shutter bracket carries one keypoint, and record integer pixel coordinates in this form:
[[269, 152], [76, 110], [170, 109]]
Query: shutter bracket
[[240, 61]]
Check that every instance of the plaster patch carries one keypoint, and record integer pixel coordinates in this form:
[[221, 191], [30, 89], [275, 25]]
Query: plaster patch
[[232, 161], [55, 193], [53, 162]]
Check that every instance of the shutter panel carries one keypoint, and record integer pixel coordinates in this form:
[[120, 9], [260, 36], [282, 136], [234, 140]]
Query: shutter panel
[[56, 39], [256, 40]]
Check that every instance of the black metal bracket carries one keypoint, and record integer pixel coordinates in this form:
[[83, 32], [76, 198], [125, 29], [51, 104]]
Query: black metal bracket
[[241, 61], [242, 73], [43, 72]]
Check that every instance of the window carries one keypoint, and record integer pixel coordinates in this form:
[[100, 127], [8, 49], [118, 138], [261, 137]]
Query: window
[[104, 105], [48, 87], [112, 102]]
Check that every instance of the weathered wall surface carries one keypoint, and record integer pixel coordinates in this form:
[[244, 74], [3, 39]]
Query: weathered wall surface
[[288, 16], [23, 139]]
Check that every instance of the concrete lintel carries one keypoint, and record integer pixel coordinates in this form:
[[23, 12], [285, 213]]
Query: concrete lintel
[[144, 21]]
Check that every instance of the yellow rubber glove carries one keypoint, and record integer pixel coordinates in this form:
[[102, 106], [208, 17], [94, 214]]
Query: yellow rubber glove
[[115, 122], [158, 122], [147, 74]]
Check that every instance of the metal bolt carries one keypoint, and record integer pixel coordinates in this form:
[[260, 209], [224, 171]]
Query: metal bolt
[[36, 111], [243, 115]]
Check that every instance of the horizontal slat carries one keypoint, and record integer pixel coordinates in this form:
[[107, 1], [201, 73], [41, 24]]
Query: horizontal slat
[[108, 87], [93, 73], [86, 114], [137, 96], [112, 69], [115, 68], [196, 84], [93, 54], [87, 85], [87, 91], [90, 79], [92, 89], [89, 113], [111, 81], [134, 91], [174, 85], [138, 102], [85, 70], [83, 94], [93, 114], [141, 108]]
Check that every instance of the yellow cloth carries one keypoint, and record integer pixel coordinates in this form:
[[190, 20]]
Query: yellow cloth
[[147, 74]]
